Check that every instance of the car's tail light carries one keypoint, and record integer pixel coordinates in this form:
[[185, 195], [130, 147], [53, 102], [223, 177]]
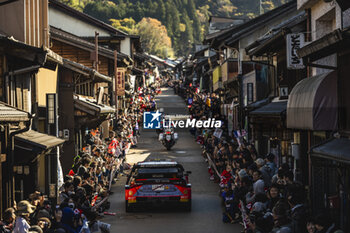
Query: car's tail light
[[185, 191], [129, 193]]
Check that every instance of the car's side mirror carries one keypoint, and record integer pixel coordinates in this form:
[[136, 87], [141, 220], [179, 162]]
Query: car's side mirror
[[127, 186]]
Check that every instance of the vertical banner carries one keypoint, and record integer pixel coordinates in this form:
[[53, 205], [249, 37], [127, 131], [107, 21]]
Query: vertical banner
[[120, 85], [230, 119], [132, 81], [294, 42]]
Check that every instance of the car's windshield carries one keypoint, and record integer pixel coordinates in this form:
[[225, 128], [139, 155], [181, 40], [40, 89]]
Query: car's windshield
[[149, 173]]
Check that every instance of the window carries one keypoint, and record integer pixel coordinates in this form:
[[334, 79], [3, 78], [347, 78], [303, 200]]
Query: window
[[84, 88]]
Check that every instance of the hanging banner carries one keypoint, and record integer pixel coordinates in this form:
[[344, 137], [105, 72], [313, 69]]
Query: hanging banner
[[230, 120], [132, 81], [294, 42], [120, 82]]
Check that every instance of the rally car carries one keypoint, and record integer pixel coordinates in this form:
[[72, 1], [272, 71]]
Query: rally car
[[156, 183]]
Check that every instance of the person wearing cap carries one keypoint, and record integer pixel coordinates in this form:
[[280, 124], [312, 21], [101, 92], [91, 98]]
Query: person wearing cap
[[24, 210], [260, 163]]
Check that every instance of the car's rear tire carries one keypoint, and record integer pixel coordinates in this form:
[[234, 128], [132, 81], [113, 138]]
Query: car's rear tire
[[127, 207], [188, 206]]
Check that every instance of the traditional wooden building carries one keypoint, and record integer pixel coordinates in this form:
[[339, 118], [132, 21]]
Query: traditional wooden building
[[328, 120], [268, 118]]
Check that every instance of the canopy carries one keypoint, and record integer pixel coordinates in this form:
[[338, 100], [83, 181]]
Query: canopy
[[273, 108], [40, 140], [11, 114], [89, 105], [335, 149], [312, 104]]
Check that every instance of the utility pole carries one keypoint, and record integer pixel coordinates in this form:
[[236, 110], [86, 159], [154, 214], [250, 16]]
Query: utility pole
[[116, 81], [96, 51]]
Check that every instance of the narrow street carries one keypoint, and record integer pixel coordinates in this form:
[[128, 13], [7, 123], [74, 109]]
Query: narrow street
[[206, 215]]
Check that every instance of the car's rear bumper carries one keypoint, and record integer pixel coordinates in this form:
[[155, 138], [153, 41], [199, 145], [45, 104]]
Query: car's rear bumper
[[156, 201]]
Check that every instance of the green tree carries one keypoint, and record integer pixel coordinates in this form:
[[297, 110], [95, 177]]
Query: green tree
[[127, 25], [161, 10], [186, 37], [103, 10]]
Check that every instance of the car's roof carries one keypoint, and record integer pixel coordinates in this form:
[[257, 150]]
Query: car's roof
[[157, 164]]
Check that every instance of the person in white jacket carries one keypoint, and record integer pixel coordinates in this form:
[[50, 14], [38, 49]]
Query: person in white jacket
[[24, 209]]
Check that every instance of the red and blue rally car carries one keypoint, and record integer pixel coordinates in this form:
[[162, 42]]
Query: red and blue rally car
[[157, 182]]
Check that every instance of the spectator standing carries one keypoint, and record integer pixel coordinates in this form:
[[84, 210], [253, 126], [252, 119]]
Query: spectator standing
[[24, 210], [6, 225]]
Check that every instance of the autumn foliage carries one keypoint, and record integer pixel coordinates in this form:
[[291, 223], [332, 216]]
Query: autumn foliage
[[154, 37]]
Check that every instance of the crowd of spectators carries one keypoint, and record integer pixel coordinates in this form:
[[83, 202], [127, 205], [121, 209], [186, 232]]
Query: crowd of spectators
[[83, 197], [256, 192]]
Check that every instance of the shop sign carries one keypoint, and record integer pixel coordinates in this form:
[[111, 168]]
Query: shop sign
[[120, 86], [295, 41]]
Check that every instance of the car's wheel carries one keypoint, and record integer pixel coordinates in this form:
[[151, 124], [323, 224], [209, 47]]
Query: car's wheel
[[188, 206], [127, 207]]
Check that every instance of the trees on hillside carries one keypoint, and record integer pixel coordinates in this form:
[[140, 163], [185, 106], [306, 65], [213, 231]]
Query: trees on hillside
[[185, 20], [154, 37]]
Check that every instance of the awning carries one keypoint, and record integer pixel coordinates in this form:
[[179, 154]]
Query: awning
[[337, 149], [312, 104], [257, 104], [90, 106], [276, 108], [13, 47], [39, 140], [11, 114], [325, 46]]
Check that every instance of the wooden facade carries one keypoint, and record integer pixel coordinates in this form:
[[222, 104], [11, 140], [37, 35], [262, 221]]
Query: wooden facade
[[27, 21], [81, 56]]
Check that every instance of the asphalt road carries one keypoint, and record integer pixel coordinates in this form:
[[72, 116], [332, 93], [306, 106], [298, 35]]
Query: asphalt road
[[206, 214]]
